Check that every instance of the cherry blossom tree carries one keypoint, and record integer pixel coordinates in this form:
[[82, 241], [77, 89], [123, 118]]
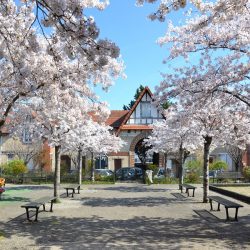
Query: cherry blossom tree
[[174, 135], [56, 115], [46, 42], [214, 123], [95, 138], [218, 125], [165, 7], [214, 40], [212, 84]]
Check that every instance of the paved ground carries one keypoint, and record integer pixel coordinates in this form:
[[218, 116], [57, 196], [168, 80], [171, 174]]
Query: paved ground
[[120, 216]]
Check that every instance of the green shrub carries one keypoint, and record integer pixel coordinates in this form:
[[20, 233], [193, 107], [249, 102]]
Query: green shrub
[[194, 170], [16, 167], [218, 165], [167, 180], [64, 169], [69, 178], [107, 178], [86, 172], [246, 172], [192, 177], [152, 167], [194, 166], [4, 168]]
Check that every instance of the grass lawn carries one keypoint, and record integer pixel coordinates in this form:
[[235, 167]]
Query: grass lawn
[[244, 190]]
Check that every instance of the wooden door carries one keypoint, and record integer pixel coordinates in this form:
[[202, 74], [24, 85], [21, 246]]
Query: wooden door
[[118, 164]]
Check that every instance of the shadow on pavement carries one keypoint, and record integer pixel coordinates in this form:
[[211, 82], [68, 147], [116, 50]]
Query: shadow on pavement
[[13, 198], [29, 187], [135, 233], [128, 202], [207, 215], [179, 196], [135, 189]]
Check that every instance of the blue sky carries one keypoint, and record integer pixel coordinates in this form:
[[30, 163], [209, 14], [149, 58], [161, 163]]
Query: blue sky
[[128, 26]]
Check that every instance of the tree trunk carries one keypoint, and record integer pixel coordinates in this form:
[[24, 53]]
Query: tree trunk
[[207, 143], [165, 165], [80, 167], [92, 167], [57, 171], [180, 166]]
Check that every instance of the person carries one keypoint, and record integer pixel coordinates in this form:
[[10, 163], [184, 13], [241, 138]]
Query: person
[[150, 175]]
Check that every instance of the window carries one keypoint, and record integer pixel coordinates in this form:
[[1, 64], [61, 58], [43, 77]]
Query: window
[[145, 109], [28, 118], [10, 156], [26, 136]]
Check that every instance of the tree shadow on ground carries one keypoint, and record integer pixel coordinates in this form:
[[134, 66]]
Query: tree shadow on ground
[[29, 187], [8, 198], [179, 196], [128, 202], [135, 189], [135, 233]]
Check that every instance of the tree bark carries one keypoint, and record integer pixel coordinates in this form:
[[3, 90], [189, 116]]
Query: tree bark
[[57, 170], [207, 144], [92, 167], [80, 167], [165, 165], [180, 166]]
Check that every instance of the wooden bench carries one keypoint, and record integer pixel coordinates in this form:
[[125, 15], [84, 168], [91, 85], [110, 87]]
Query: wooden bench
[[37, 204], [73, 188], [187, 186], [227, 203]]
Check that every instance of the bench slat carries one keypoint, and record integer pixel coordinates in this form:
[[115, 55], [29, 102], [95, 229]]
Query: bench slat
[[225, 202], [32, 205], [45, 199], [187, 186]]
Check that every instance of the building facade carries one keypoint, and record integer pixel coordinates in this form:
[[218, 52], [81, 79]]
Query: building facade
[[133, 126]]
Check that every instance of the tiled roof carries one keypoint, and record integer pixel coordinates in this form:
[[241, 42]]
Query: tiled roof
[[116, 118]]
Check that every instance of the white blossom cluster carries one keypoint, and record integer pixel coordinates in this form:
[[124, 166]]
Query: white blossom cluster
[[52, 42], [165, 7], [175, 131], [219, 40], [93, 137]]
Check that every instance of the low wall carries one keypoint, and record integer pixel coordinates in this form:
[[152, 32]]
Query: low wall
[[244, 198]]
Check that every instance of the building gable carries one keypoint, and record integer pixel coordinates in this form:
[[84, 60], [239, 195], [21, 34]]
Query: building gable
[[142, 114]]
